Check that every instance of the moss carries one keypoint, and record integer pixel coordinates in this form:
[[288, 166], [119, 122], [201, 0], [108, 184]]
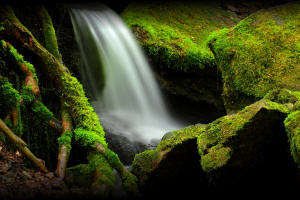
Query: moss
[[174, 33], [283, 96], [213, 143], [292, 125], [42, 111], [216, 157], [88, 138], [18, 57], [113, 160], [260, 53], [27, 94], [87, 126], [130, 183], [1, 27], [181, 136], [80, 175], [10, 98], [104, 173], [65, 139], [9, 95], [49, 35], [143, 164]]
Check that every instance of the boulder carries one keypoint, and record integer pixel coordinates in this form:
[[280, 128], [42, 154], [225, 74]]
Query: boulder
[[249, 150], [173, 167], [259, 54]]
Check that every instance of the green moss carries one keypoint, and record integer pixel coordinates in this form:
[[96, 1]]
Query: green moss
[[18, 57], [49, 35], [10, 98], [215, 158], [292, 125], [113, 160], [181, 136], [80, 175], [27, 94], [42, 111], [283, 96], [99, 164], [143, 164], [88, 138], [65, 139], [174, 33], [213, 144], [260, 53], [9, 95], [130, 183], [87, 126]]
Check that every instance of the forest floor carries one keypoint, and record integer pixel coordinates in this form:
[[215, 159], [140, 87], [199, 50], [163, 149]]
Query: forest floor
[[17, 181]]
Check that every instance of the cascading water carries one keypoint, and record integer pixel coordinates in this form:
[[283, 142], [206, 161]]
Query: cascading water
[[118, 76]]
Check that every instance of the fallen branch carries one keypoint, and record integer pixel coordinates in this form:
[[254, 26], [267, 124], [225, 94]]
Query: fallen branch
[[22, 147]]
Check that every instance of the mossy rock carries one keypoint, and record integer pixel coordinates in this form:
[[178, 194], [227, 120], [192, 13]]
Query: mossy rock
[[259, 54], [170, 166], [174, 33], [79, 176], [249, 148], [292, 125]]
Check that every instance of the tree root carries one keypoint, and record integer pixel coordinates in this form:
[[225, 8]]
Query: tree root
[[87, 128], [22, 147]]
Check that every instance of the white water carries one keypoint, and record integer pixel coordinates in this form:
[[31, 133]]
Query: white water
[[130, 102]]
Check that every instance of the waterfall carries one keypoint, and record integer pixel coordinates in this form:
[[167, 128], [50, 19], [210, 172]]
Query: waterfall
[[117, 75]]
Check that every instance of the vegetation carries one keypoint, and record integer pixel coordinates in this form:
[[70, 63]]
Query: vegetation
[[174, 33], [77, 115], [46, 115], [259, 54]]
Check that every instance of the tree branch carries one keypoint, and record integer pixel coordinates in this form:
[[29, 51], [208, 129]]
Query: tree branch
[[22, 147]]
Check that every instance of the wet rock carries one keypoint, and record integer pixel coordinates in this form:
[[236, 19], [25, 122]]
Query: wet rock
[[125, 148]]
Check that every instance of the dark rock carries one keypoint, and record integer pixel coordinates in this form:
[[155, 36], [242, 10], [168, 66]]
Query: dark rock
[[125, 148]]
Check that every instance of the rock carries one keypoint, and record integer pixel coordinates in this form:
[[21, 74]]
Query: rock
[[173, 36], [5, 167], [27, 174], [174, 33], [49, 175], [79, 176], [292, 125], [249, 149], [125, 148], [168, 135], [172, 167], [258, 54]]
